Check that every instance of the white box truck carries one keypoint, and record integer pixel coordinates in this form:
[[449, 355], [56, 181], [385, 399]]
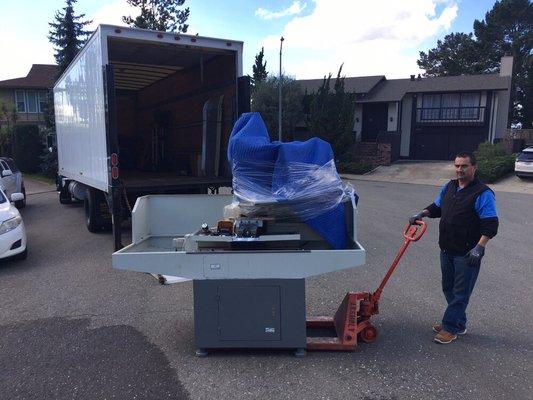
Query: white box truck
[[143, 112]]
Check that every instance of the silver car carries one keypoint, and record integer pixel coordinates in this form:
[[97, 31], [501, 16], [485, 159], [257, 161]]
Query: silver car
[[11, 180]]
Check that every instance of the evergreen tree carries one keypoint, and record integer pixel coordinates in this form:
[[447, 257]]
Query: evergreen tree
[[457, 54], [265, 101], [159, 15], [506, 29], [67, 34], [331, 114], [259, 68]]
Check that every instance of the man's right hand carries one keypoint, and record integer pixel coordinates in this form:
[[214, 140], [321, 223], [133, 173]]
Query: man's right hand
[[417, 217]]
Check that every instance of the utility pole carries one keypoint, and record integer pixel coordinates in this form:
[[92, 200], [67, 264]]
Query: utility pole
[[279, 88]]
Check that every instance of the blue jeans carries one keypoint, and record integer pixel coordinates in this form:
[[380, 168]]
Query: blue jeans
[[458, 280]]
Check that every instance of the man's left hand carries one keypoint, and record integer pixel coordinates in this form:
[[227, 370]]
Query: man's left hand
[[475, 255]]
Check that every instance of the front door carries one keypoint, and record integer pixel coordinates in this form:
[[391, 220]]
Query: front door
[[374, 120]]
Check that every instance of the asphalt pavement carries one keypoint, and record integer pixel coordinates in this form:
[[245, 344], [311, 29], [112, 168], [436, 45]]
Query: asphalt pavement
[[71, 327]]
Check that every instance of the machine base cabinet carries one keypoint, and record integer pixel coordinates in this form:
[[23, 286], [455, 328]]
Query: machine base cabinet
[[250, 313]]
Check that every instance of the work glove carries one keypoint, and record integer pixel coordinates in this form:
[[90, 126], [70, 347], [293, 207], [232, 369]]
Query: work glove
[[416, 217], [475, 255]]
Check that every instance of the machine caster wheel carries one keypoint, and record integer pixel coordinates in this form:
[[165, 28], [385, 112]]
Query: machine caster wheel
[[201, 353], [369, 334], [300, 353]]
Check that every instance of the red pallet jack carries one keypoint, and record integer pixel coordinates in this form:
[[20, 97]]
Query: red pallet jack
[[352, 319]]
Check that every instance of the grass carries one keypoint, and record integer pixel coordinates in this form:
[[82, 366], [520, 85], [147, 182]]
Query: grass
[[40, 178]]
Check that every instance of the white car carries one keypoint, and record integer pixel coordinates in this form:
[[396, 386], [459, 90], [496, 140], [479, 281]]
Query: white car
[[523, 165], [12, 230], [11, 180]]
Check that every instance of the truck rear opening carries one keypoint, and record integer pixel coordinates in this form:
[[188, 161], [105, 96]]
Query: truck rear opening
[[175, 106], [142, 112]]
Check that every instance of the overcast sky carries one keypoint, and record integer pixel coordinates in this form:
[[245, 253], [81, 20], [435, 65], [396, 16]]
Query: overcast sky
[[371, 37]]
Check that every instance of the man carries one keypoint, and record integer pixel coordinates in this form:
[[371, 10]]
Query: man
[[468, 219]]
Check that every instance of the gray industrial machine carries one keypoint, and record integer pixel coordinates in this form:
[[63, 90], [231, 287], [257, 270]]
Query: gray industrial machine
[[248, 270]]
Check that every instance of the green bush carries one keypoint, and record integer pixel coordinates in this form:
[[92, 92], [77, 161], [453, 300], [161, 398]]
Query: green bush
[[353, 167], [492, 162], [27, 147], [487, 150]]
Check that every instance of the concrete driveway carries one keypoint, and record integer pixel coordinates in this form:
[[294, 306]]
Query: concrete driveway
[[435, 173]]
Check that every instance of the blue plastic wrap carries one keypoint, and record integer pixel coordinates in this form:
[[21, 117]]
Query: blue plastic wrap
[[295, 178]]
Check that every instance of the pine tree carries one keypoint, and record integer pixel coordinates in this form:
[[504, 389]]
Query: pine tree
[[159, 15], [67, 34], [259, 68]]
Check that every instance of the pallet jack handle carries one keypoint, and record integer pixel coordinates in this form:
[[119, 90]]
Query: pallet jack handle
[[411, 233]]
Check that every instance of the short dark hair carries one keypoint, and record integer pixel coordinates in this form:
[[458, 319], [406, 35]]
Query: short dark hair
[[470, 155]]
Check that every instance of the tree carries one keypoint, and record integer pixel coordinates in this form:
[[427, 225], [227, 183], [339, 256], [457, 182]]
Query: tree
[[259, 68], [457, 54], [331, 114], [265, 101], [8, 118], [159, 15], [67, 34], [506, 29]]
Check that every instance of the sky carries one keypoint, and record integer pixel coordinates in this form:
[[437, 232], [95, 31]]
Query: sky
[[369, 37]]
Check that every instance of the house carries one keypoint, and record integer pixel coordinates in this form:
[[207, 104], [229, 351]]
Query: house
[[429, 118], [28, 94]]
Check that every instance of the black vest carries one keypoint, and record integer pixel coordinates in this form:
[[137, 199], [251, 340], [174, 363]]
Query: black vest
[[459, 228]]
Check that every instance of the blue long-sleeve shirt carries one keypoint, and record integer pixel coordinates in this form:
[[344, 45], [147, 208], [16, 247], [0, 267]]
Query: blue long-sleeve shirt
[[485, 203]]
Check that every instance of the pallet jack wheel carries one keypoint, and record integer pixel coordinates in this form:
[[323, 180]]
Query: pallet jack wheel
[[369, 334]]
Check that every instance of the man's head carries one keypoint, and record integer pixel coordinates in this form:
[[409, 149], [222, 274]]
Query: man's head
[[465, 166]]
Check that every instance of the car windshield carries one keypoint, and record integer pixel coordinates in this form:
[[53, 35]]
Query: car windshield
[[525, 156], [2, 197]]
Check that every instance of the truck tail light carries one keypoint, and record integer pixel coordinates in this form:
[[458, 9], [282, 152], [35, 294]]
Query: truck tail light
[[114, 172]]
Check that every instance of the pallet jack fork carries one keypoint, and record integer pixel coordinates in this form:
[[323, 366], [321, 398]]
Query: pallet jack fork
[[352, 319]]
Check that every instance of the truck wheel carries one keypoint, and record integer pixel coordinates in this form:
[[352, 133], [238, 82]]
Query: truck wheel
[[64, 196], [95, 212], [22, 203]]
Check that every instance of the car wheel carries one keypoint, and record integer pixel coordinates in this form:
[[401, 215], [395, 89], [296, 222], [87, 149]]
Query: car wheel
[[22, 203]]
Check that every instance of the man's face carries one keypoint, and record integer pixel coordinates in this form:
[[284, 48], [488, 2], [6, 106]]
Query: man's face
[[464, 169]]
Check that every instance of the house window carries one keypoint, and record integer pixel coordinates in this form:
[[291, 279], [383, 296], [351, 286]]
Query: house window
[[31, 98], [42, 101], [450, 107], [20, 100], [430, 106], [469, 105]]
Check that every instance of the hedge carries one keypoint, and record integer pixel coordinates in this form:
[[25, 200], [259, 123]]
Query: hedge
[[492, 162], [27, 147]]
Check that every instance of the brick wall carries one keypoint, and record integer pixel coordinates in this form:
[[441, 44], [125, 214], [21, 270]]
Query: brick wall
[[373, 153]]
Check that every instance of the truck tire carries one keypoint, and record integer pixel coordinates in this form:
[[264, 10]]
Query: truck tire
[[22, 203], [64, 196], [95, 212]]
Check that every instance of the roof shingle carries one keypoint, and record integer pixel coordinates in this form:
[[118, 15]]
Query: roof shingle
[[395, 89], [358, 84], [41, 76]]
